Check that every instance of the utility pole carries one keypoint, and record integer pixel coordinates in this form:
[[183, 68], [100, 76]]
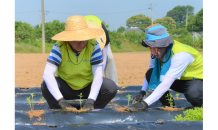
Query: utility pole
[[43, 28], [151, 15], [187, 18], [39, 20]]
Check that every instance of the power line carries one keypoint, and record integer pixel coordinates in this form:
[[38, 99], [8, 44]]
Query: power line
[[160, 10], [86, 13], [27, 12]]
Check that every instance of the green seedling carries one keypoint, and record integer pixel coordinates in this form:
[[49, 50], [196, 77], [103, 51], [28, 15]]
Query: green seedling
[[177, 95], [147, 93], [122, 82], [42, 99], [30, 102], [129, 97], [170, 99], [80, 101]]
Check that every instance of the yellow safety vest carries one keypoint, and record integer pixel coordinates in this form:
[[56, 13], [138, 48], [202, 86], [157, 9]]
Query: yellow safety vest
[[194, 70], [76, 72]]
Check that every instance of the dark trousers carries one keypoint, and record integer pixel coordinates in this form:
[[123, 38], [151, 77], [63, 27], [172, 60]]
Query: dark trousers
[[192, 89], [107, 92]]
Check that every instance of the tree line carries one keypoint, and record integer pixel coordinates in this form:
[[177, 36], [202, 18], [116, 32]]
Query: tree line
[[175, 22]]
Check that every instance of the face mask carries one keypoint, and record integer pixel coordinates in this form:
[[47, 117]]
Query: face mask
[[164, 54]]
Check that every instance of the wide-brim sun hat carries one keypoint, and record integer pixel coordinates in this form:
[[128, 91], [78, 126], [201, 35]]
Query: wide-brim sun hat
[[77, 29], [156, 36], [100, 39]]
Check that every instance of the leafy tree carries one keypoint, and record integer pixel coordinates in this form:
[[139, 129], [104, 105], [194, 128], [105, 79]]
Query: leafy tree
[[53, 28], [178, 13], [179, 31], [197, 22], [190, 18], [167, 22], [23, 31], [121, 29], [139, 20]]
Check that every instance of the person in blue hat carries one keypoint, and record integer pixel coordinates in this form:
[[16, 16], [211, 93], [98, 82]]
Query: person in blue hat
[[173, 65]]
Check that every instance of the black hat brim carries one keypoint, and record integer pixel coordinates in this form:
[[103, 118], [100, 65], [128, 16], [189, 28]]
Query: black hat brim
[[158, 43]]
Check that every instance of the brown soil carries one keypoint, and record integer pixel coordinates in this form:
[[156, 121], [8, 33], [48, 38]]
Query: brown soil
[[113, 100], [36, 113], [166, 108], [77, 111], [36, 123], [40, 102], [131, 68], [119, 108], [178, 98], [121, 91]]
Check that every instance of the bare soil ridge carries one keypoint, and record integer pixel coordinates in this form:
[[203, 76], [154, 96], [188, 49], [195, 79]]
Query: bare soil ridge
[[131, 68]]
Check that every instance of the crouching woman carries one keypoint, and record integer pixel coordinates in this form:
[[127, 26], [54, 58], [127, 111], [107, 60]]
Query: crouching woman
[[77, 59]]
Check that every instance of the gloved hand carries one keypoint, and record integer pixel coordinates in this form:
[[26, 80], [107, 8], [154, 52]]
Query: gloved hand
[[89, 104], [137, 106], [63, 103], [139, 97]]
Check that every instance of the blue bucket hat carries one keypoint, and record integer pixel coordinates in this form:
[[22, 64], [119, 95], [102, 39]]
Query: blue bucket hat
[[157, 37]]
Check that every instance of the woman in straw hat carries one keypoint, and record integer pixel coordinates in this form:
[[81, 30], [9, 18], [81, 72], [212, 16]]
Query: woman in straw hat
[[109, 66], [77, 59], [173, 65]]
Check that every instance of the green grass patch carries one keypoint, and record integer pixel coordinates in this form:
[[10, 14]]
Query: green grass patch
[[36, 47], [32, 47], [195, 114]]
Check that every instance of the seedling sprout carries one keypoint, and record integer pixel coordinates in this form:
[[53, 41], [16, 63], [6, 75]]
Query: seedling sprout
[[147, 93], [129, 97], [170, 99], [42, 99], [80, 101], [177, 95], [30, 102]]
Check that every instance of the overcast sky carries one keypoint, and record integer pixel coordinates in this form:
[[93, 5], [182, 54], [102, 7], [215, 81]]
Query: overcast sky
[[113, 12]]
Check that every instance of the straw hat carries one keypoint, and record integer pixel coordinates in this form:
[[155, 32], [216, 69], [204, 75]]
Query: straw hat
[[77, 29], [102, 38]]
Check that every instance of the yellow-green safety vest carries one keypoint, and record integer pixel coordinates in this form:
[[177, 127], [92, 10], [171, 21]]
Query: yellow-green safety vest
[[76, 72], [194, 70]]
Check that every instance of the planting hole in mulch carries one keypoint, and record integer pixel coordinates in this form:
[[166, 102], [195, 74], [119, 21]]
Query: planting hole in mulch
[[121, 91], [36, 113], [77, 111], [170, 109]]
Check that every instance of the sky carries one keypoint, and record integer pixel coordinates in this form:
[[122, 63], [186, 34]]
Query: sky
[[113, 12]]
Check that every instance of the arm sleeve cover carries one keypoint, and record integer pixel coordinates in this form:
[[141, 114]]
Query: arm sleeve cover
[[51, 82], [97, 82], [160, 90]]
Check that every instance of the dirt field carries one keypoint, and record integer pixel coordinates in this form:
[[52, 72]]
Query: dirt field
[[131, 68]]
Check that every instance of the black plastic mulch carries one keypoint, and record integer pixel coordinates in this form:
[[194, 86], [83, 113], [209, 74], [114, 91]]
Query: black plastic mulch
[[108, 118]]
